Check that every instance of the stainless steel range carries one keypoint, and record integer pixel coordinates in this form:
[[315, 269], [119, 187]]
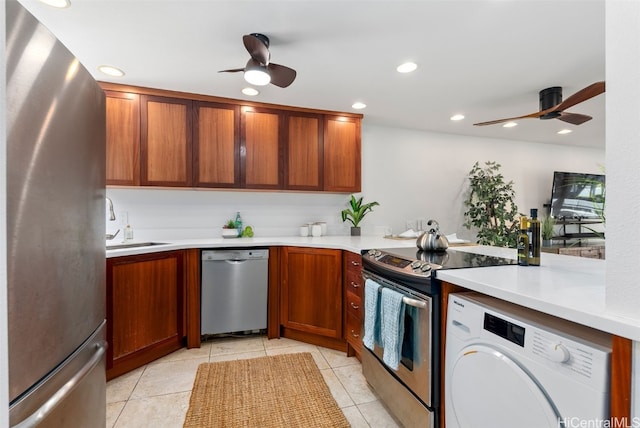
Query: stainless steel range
[[412, 389]]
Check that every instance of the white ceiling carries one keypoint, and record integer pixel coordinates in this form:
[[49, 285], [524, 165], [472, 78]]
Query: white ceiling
[[485, 59]]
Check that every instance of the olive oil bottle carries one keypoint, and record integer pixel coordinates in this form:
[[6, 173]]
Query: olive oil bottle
[[523, 242], [534, 238]]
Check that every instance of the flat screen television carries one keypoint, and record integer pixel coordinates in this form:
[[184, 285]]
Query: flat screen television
[[577, 196]]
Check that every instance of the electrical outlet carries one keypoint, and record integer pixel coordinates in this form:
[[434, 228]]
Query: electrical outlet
[[123, 217]]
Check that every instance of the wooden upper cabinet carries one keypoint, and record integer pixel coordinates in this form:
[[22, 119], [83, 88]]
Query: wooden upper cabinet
[[123, 138], [216, 145], [165, 143], [342, 156], [261, 152], [304, 151]]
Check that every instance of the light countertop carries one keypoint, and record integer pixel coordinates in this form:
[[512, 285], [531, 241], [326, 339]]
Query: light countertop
[[568, 287]]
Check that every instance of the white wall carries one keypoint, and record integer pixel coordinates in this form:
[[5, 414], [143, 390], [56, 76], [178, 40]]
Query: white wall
[[623, 158], [412, 174]]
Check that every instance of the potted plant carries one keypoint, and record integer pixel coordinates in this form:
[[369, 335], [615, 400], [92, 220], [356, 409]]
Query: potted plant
[[490, 206], [229, 230], [546, 230], [356, 213]]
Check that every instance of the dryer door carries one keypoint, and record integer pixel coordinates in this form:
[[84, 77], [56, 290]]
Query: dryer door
[[489, 389]]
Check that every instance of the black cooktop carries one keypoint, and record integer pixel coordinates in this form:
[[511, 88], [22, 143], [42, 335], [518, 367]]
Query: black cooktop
[[449, 259]]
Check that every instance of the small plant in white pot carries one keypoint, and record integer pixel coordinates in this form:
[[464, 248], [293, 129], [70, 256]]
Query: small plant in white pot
[[229, 230], [356, 213]]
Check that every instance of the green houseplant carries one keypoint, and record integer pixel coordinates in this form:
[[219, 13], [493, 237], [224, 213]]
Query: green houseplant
[[490, 206], [546, 230], [356, 212]]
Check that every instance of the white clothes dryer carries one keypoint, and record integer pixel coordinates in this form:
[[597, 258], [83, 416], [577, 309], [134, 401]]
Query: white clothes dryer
[[508, 366]]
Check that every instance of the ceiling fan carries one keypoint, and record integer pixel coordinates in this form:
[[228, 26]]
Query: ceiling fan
[[552, 106], [259, 70]]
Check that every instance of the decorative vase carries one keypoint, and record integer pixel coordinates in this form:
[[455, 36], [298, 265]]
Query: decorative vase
[[547, 242], [355, 231], [229, 233]]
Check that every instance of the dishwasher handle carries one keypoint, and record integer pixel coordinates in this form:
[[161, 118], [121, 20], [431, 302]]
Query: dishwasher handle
[[235, 254]]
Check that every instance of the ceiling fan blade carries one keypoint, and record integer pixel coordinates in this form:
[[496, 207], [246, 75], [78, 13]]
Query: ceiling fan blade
[[582, 95], [280, 75], [256, 48], [527, 116], [574, 118], [232, 70]]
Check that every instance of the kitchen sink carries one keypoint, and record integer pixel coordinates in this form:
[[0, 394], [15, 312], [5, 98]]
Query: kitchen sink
[[133, 245]]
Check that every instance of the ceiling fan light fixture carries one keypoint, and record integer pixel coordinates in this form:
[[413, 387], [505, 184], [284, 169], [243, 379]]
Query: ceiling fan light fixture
[[257, 76], [510, 124]]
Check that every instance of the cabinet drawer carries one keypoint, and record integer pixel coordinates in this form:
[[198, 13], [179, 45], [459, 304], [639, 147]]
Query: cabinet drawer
[[353, 331], [353, 262], [354, 283], [354, 305]]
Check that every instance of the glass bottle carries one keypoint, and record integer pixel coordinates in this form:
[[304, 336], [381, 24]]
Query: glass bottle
[[534, 238], [523, 242]]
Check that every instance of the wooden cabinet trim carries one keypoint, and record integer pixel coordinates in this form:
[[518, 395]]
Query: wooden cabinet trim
[[208, 98]]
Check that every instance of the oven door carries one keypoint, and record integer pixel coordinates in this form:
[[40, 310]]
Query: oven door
[[414, 370]]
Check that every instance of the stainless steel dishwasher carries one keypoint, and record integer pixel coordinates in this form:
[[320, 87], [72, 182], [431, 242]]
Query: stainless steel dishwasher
[[234, 290]]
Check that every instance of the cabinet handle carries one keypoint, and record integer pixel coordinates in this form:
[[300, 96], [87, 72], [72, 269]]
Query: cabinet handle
[[355, 284], [354, 263], [354, 306], [354, 334]]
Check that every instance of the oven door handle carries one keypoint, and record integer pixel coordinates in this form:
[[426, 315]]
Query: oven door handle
[[414, 302]]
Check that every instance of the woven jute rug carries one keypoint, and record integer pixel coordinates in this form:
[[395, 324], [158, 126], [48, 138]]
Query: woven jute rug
[[277, 391]]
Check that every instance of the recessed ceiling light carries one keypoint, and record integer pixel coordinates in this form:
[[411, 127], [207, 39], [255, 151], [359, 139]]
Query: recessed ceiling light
[[61, 4], [565, 131], [509, 125], [407, 67], [358, 105], [250, 91], [111, 71], [457, 117]]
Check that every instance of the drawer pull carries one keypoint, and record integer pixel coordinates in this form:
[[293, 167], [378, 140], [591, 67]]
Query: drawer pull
[[354, 263], [354, 306], [355, 284], [354, 334]]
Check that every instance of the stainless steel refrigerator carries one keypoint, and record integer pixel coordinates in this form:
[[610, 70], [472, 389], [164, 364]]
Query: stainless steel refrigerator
[[55, 231]]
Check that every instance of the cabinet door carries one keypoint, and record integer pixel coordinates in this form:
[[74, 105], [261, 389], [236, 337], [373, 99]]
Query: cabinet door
[[216, 141], [304, 152], [342, 155], [123, 138], [165, 142], [261, 154], [144, 309], [311, 293]]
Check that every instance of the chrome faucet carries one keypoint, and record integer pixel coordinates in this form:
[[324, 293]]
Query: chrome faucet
[[112, 214], [112, 217]]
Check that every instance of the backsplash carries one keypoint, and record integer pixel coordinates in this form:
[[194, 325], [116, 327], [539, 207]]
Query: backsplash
[[190, 214]]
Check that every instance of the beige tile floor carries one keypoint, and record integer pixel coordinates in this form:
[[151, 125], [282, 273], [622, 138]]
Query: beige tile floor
[[157, 395]]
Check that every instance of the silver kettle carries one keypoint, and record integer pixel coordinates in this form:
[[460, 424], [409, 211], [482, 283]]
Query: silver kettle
[[432, 240]]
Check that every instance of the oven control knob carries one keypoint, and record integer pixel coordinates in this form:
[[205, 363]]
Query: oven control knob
[[416, 264], [425, 268], [372, 253]]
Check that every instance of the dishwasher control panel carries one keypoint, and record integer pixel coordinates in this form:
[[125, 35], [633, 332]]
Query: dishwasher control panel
[[235, 254]]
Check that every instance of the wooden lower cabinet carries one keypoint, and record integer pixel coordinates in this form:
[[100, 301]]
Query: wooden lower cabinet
[[311, 296], [145, 310], [354, 302]]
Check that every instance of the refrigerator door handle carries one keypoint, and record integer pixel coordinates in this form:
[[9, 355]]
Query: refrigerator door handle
[[36, 417]]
